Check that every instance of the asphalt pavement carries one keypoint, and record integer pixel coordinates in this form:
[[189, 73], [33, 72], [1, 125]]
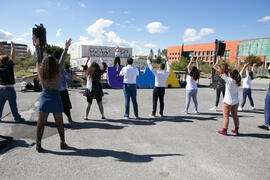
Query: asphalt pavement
[[174, 147]]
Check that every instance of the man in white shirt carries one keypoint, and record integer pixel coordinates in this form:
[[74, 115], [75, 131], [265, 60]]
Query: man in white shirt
[[160, 83], [130, 74]]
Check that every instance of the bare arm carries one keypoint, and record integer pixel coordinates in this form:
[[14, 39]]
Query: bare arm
[[63, 56], [1, 49], [75, 78], [88, 59], [217, 66], [12, 51], [30, 77], [197, 64], [252, 69], [189, 65], [168, 66], [150, 66], [244, 68], [38, 53]]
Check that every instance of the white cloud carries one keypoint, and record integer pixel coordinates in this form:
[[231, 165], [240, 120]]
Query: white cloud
[[125, 12], [58, 32], [191, 35], [4, 35], [264, 19], [155, 27], [41, 11], [150, 45], [82, 5], [103, 37], [7, 36]]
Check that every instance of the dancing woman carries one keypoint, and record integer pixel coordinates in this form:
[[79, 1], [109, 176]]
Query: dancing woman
[[117, 57], [50, 100], [230, 101], [191, 87], [247, 86], [7, 81], [94, 88], [220, 88]]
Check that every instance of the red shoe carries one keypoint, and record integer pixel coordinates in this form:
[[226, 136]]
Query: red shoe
[[235, 131], [223, 132]]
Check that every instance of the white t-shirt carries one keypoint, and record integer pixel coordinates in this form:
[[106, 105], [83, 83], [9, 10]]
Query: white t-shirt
[[130, 74], [247, 81], [191, 83], [160, 76], [89, 83], [117, 54], [231, 91]]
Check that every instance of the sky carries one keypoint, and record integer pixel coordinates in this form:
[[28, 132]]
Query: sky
[[140, 24]]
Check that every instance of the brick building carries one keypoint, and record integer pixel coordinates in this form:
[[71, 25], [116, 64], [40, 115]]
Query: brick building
[[20, 49], [235, 51]]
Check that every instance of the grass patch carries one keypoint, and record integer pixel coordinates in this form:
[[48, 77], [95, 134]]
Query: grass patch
[[262, 76], [23, 73]]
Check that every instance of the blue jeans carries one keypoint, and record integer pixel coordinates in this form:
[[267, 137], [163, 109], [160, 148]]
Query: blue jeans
[[130, 91], [191, 93], [247, 92], [10, 95], [267, 109]]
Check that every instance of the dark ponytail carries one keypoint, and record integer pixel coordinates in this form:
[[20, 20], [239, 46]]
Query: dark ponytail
[[251, 75], [236, 76]]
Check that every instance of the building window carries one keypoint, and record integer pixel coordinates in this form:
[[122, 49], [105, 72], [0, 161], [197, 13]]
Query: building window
[[195, 53], [199, 58], [203, 58], [208, 52], [227, 54], [212, 58], [204, 53], [213, 52], [208, 58], [200, 53]]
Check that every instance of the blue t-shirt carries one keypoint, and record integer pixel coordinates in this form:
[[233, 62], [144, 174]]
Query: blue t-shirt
[[64, 77]]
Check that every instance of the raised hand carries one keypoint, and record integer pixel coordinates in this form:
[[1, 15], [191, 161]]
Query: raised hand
[[11, 44], [68, 43], [1, 47], [35, 40]]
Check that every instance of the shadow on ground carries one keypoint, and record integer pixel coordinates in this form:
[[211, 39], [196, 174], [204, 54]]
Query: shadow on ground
[[15, 144], [121, 156]]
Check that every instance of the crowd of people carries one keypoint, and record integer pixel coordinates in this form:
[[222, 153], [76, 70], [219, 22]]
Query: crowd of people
[[55, 98]]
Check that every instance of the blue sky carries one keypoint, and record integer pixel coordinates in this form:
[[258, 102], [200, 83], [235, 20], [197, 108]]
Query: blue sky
[[141, 24]]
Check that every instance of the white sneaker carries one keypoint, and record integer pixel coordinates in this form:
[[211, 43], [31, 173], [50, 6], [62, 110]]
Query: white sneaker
[[240, 108], [213, 108], [152, 116], [126, 118], [252, 108]]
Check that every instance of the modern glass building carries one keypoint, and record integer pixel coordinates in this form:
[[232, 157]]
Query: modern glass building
[[236, 51], [257, 47]]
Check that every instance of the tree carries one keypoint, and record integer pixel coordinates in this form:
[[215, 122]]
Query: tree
[[252, 59], [151, 54], [56, 51], [180, 65], [141, 58], [158, 54], [164, 52]]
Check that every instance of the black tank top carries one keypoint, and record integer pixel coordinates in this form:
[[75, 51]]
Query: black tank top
[[7, 73]]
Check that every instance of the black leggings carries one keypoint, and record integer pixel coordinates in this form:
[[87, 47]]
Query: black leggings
[[116, 61], [218, 92]]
